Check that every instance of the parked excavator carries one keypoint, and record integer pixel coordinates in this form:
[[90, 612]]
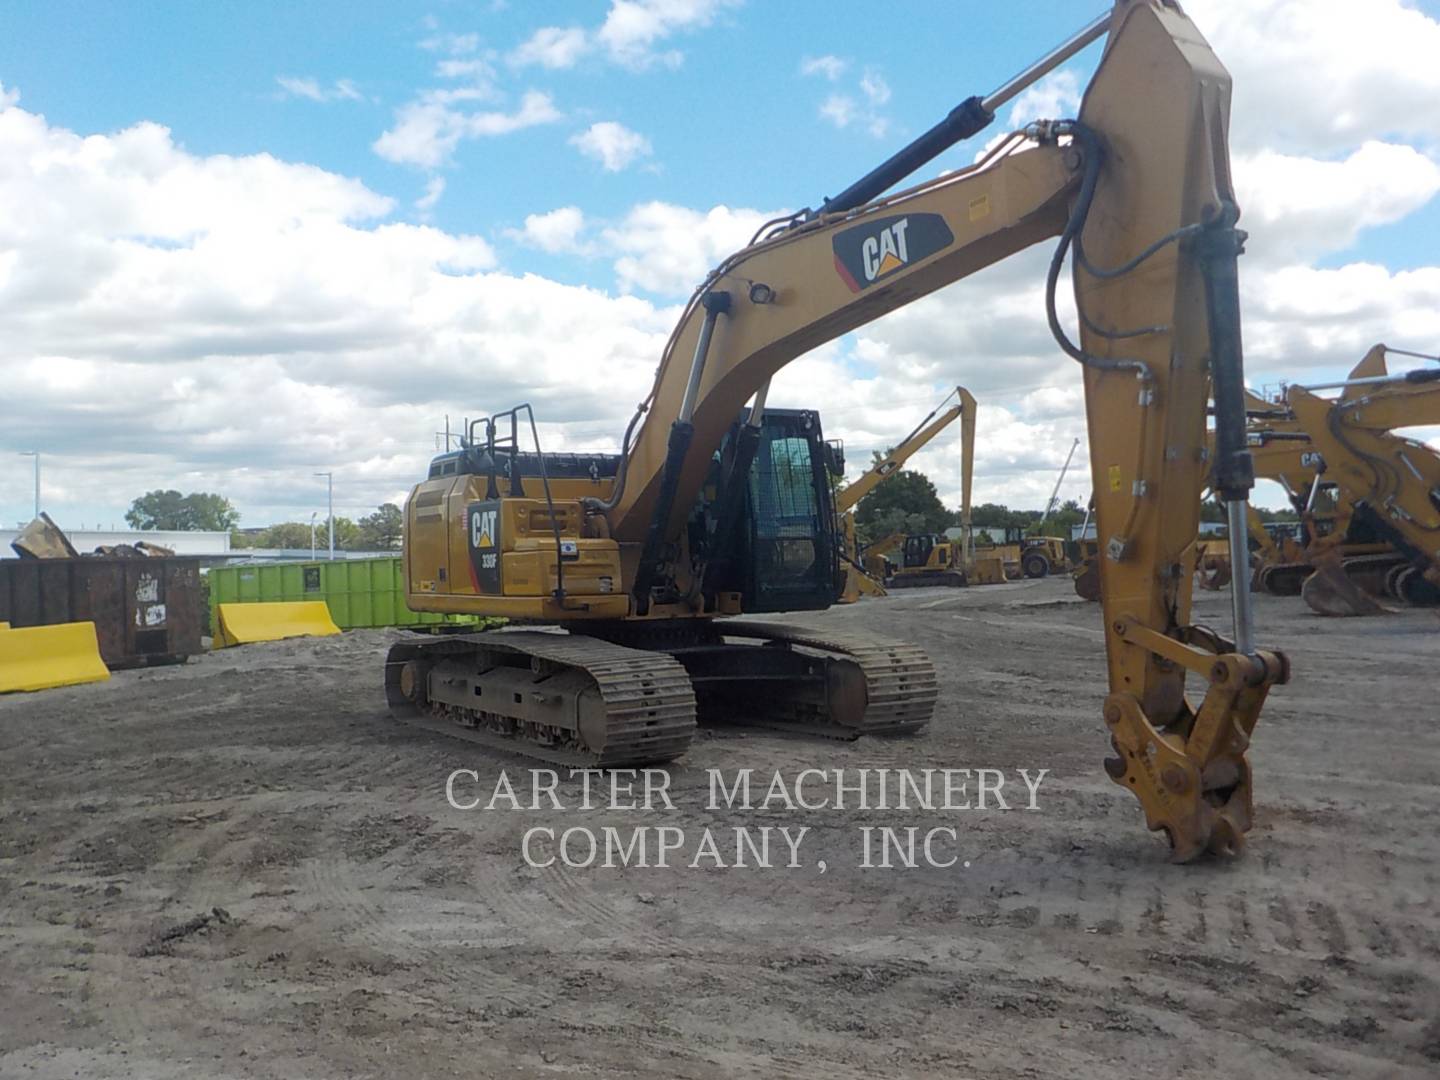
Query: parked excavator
[[718, 506], [858, 582], [1281, 452], [1389, 485]]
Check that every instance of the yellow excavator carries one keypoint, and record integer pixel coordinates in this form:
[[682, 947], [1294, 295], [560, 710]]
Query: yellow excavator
[[1283, 453], [1279, 563], [1282, 559], [1388, 485], [717, 506], [858, 582]]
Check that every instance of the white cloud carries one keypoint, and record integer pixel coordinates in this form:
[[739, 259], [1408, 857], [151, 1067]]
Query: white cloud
[[843, 109], [232, 323], [8, 97], [558, 231], [1303, 207], [434, 188], [829, 67], [1325, 75], [668, 249], [310, 89], [874, 87], [479, 72], [452, 44], [633, 28], [553, 47], [612, 144], [839, 109], [426, 132], [630, 36], [1055, 97]]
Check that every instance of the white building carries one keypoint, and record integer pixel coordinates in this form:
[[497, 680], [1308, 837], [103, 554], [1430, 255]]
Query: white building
[[87, 540]]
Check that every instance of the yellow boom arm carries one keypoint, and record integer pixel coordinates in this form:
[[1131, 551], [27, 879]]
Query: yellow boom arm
[[1390, 481], [963, 410], [1139, 190]]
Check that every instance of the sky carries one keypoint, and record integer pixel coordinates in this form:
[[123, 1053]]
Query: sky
[[244, 243]]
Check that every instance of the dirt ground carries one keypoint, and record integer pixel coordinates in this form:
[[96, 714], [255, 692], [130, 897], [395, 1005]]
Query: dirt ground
[[243, 867]]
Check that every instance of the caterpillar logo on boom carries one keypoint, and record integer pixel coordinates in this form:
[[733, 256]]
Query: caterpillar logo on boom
[[877, 248]]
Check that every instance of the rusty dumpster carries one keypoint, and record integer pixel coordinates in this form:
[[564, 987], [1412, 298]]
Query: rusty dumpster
[[145, 611]]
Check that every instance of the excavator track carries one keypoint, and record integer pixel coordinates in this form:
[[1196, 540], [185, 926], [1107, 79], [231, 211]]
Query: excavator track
[[900, 687], [563, 698]]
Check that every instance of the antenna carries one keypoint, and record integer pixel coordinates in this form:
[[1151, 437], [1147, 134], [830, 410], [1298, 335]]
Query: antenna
[[1054, 495]]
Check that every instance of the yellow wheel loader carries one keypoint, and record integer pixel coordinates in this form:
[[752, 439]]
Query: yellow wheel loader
[[716, 506]]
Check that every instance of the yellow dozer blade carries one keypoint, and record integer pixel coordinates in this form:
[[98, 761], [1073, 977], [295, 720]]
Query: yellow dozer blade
[[986, 570], [41, 657], [245, 624]]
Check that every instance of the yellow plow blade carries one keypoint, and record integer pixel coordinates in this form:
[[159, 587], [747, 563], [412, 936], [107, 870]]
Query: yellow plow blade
[[244, 624], [41, 657]]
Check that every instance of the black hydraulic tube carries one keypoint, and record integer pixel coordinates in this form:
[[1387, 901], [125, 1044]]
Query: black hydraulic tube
[[970, 117], [1218, 246], [682, 431]]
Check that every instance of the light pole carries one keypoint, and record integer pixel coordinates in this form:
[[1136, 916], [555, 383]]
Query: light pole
[[330, 506], [313, 513], [36, 455]]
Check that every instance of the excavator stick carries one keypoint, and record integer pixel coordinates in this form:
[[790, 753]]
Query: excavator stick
[[1155, 265]]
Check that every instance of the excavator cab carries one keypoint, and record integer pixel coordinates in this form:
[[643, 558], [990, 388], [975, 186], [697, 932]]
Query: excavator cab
[[792, 564], [783, 552], [919, 548]]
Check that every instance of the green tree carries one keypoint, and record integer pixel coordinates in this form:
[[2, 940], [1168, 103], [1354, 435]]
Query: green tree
[[168, 509], [381, 530], [347, 535], [1000, 517], [289, 534], [906, 500], [295, 536]]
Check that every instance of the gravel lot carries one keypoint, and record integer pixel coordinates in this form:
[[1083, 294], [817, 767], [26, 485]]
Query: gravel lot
[[243, 867]]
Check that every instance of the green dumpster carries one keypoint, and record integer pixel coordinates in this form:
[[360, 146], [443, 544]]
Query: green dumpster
[[359, 592]]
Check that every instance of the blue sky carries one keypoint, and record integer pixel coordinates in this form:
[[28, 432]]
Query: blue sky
[[738, 107], [735, 123]]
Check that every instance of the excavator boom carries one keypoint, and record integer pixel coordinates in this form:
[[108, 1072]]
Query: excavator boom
[[964, 410]]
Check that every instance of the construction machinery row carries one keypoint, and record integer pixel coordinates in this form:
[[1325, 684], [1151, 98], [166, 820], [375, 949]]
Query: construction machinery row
[[1367, 497]]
